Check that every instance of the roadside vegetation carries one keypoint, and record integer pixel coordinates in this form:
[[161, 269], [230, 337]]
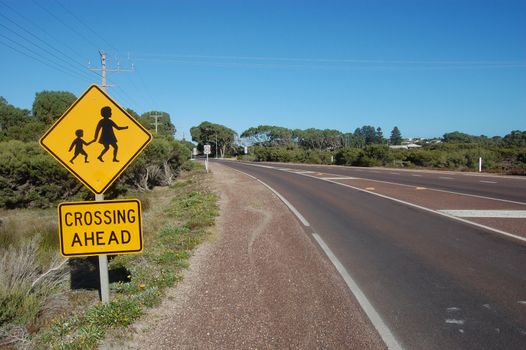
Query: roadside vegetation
[[39, 307], [47, 301], [367, 146]]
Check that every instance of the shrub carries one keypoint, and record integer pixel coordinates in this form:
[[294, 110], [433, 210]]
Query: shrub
[[31, 178]]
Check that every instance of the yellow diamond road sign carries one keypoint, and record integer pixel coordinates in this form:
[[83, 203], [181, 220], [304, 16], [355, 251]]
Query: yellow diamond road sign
[[96, 139], [102, 227]]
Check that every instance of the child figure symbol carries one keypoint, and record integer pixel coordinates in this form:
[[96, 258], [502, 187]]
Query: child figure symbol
[[107, 136], [79, 144]]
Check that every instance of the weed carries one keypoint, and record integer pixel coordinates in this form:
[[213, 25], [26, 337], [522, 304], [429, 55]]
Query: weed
[[176, 224]]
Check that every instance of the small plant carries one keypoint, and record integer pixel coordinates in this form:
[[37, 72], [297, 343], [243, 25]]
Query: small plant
[[191, 209]]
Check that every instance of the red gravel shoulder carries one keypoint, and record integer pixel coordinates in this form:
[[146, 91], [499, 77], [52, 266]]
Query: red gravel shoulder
[[259, 283]]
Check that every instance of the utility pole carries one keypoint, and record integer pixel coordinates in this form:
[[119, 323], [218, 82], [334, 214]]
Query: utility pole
[[104, 69], [103, 259], [156, 123]]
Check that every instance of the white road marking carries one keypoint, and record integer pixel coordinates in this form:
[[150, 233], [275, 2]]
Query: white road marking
[[302, 172], [394, 173], [510, 214], [453, 309], [488, 182], [417, 175], [446, 178], [504, 233], [384, 331], [453, 321], [338, 178]]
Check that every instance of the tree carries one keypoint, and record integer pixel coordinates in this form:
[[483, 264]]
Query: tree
[[458, 137], [369, 134], [164, 124], [396, 136], [50, 105], [516, 138], [269, 135], [12, 121], [219, 136], [379, 135], [326, 139]]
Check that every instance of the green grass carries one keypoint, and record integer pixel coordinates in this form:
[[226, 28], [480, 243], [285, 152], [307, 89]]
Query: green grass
[[178, 219]]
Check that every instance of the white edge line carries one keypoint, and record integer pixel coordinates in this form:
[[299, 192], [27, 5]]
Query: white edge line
[[504, 233], [384, 331], [444, 191], [523, 239], [287, 203]]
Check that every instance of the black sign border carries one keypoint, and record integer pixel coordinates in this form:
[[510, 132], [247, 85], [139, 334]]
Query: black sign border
[[99, 203], [66, 165]]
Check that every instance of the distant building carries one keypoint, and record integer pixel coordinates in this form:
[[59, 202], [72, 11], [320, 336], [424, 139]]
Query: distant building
[[405, 146]]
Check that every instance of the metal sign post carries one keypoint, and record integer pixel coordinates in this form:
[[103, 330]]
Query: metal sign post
[[84, 140], [207, 151]]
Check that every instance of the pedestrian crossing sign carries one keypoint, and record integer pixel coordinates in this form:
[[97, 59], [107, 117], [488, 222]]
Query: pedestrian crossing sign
[[96, 139]]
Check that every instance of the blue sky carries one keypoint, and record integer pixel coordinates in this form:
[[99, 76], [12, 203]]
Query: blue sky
[[426, 66]]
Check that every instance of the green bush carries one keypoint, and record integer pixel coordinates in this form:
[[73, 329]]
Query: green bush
[[31, 178]]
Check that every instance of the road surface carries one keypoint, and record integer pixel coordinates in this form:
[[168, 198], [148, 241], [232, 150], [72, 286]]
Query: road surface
[[439, 257]]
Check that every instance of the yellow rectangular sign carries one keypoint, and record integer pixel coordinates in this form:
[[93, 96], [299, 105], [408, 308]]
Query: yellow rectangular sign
[[102, 227]]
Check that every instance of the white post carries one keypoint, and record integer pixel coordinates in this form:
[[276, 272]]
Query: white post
[[103, 270], [480, 164], [206, 162]]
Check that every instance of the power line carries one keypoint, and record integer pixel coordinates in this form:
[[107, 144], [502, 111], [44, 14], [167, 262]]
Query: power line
[[38, 46], [330, 64], [86, 25], [330, 60], [52, 65], [74, 30], [40, 29], [73, 62]]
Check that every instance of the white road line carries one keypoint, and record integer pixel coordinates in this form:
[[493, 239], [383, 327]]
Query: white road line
[[416, 175], [394, 173], [488, 182], [302, 171], [510, 214], [384, 331], [429, 189], [338, 178], [367, 307], [287, 203], [446, 178], [504, 233]]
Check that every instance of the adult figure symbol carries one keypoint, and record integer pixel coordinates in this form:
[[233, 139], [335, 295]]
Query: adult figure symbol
[[107, 136]]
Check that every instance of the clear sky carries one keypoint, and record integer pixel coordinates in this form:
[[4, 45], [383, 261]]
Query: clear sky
[[426, 66]]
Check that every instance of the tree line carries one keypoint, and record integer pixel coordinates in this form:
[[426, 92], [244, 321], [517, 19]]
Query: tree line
[[29, 177], [367, 146]]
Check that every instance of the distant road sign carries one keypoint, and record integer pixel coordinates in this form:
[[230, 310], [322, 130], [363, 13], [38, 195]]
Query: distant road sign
[[207, 149], [96, 139], [102, 227]]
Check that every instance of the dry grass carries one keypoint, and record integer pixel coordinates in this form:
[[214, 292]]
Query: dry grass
[[31, 269]]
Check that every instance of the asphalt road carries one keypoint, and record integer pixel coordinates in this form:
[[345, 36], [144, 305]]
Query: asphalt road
[[435, 282], [511, 188]]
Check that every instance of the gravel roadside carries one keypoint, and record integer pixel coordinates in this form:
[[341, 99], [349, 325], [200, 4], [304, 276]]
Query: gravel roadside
[[259, 283]]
